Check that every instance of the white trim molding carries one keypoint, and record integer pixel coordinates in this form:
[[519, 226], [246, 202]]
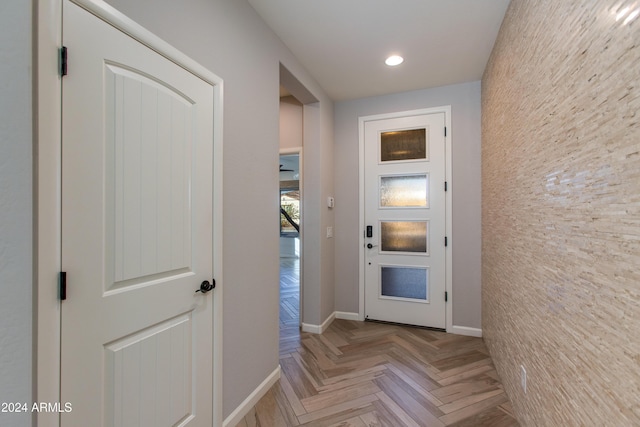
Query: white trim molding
[[318, 329], [243, 409], [347, 315], [47, 216], [465, 330]]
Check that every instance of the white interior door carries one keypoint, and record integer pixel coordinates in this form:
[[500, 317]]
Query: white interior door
[[405, 218], [137, 237]]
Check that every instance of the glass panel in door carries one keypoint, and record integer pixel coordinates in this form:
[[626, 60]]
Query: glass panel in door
[[403, 145], [404, 236], [404, 282], [408, 191]]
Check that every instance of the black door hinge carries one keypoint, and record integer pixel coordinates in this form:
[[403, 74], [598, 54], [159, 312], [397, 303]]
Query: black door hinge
[[446, 296], [62, 280], [445, 186], [445, 241], [445, 131], [63, 61]]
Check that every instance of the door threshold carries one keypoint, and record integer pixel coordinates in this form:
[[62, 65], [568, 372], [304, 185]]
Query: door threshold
[[385, 322]]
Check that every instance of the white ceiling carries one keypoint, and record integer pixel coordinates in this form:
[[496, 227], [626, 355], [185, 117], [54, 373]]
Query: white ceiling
[[343, 43]]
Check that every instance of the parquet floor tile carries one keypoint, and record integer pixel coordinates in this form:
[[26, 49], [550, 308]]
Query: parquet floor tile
[[365, 374]]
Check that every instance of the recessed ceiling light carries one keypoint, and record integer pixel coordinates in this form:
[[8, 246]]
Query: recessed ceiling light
[[394, 60]]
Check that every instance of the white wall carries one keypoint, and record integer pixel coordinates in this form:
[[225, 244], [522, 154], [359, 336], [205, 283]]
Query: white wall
[[290, 123], [465, 110], [15, 208], [317, 278], [231, 40]]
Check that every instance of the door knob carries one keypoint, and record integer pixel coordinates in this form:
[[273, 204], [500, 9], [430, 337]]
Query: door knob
[[206, 286]]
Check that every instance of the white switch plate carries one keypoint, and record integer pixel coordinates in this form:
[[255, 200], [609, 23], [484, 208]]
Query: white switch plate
[[329, 232]]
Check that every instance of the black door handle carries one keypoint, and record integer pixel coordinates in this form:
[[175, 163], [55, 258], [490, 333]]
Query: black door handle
[[206, 286]]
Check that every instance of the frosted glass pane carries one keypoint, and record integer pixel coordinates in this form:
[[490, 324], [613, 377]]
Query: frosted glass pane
[[404, 191], [405, 282], [403, 145], [404, 236]]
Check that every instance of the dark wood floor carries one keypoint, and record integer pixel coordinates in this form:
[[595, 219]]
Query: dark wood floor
[[370, 374]]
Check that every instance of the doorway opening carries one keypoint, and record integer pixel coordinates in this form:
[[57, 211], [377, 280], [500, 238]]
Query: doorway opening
[[290, 250], [299, 124]]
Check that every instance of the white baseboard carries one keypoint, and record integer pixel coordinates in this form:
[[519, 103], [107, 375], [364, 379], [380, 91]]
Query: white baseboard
[[465, 330], [312, 329], [243, 409], [318, 329], [346, 315]]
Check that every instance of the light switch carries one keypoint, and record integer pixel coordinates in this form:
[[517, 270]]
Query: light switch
[[329, 232]]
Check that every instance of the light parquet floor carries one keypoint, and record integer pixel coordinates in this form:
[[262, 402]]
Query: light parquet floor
[[370, 374]]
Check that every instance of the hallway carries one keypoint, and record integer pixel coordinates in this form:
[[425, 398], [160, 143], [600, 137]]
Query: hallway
[[289, 305], [372, 374]]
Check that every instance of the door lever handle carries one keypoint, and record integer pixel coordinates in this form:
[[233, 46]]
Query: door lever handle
[[369, 245], [206, 286]]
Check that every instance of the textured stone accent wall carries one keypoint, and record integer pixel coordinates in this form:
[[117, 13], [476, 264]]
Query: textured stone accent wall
[[561, 211]]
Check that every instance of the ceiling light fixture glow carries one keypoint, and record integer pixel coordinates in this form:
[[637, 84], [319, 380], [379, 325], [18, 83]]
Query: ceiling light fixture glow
[[394, 60]]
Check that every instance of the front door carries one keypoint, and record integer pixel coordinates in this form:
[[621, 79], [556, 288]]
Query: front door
[[405, 219], [137, 239]]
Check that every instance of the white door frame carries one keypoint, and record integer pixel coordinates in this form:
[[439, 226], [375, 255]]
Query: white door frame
[[298, 151], [48, 166], [448, 196]]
